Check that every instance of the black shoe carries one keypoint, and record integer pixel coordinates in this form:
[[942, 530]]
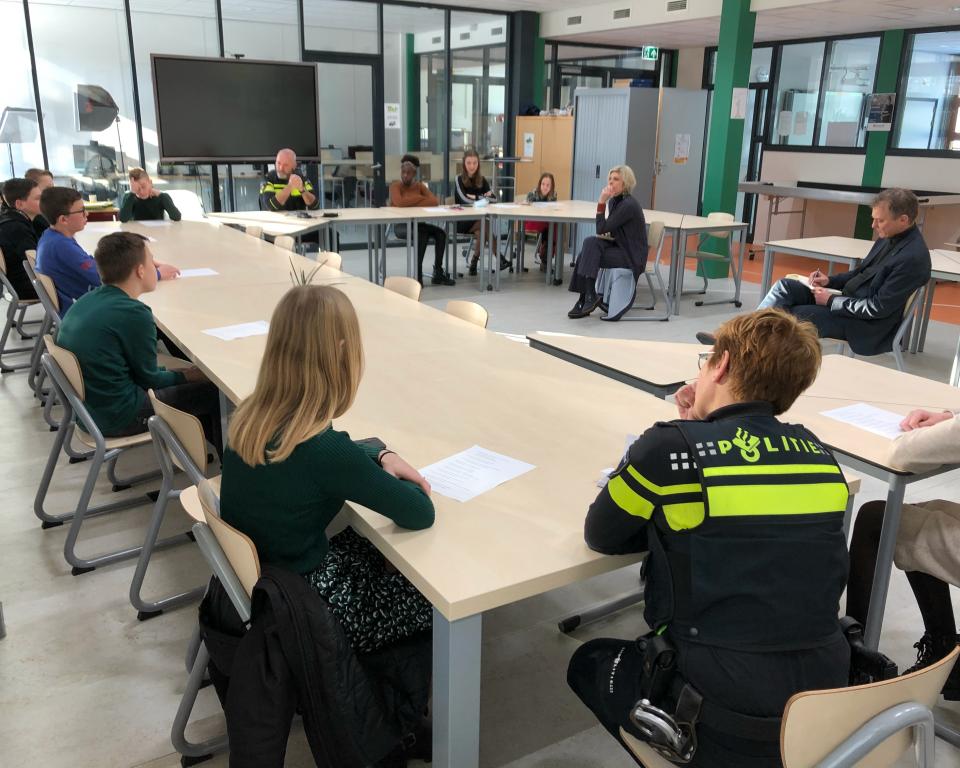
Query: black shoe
[[442, 278], [930, 649], [706, 338], [592, 298], [505, 264], [473, 268], [577, 311]]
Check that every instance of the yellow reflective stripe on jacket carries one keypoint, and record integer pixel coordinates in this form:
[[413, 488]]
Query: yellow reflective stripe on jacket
[[628, 499], [781, 499], [681, 517], [773, 469], [663, 490]]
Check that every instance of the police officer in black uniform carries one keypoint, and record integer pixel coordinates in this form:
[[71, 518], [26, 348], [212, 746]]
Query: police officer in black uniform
[[741, 515], [286, 190]]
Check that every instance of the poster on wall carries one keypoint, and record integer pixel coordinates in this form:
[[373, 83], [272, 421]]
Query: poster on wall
[[880, 111], [681, 148], [738, 107], [785, 123], [528, 144], [801, 120], [391, 116]]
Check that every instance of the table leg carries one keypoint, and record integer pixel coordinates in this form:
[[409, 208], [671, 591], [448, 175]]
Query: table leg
[[681, 266], [456, 691], [803, 217], [881, 573], [370, 254], [551, 257], [413, 233], [563, 232], [323, 196], [486, 264], [743, 247], [955, 371], [767, 271]]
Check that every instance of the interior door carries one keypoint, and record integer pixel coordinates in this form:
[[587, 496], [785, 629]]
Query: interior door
[[680, 154]]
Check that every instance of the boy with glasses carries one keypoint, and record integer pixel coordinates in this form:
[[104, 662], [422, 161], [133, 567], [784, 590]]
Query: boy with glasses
[[61, 257]]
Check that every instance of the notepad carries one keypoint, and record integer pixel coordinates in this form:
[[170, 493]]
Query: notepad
[[869, 418], [806, 281], [240, 331], [199, 272], [467, 474]]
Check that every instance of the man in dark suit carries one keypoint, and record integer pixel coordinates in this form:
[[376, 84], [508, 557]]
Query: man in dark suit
[[872, 296]]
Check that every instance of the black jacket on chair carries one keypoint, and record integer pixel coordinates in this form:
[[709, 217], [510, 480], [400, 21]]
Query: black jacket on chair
[[296, 656], [884, 281], [17, 236]]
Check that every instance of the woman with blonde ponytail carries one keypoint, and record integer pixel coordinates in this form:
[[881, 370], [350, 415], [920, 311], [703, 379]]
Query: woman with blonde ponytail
[[287, 471]]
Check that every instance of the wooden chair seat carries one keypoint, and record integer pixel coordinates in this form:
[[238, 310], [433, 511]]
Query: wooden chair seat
[[115, 442]]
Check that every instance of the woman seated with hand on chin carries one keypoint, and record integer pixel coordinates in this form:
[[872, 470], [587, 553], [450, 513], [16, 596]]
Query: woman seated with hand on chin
[[620, 242]]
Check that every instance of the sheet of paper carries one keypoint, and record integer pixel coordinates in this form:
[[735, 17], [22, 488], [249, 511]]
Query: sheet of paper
[[870, 418], [805, 279], [436, 209], [505, 205], [469, 473], [199, 272], [240, 331], [158, 223]]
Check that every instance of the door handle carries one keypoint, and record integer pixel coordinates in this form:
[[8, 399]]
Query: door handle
[[598, 172]]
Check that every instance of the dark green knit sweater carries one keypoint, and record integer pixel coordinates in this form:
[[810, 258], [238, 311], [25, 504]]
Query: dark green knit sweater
[[285, 507], [151, 208]]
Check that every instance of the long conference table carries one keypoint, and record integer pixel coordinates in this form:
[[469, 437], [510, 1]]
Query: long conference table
[[567, 212], [520, 539]]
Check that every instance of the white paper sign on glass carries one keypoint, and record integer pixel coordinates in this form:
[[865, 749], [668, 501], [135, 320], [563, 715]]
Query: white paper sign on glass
[[469, 473]]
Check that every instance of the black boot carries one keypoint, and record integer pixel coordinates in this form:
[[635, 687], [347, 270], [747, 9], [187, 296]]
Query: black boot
[[577, 310], [440, 277], [591, 299], [473, 266], [930, 649]]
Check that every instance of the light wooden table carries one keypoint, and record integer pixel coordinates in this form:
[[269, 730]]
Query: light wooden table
[[520, 539], [657, 367], [842, 250]]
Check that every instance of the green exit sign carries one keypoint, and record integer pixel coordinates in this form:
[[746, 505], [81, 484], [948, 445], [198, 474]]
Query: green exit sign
[[650, 53]]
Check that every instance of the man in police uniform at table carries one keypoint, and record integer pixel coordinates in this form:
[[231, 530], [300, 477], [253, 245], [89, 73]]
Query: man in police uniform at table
[[742, 519], [285, 189]]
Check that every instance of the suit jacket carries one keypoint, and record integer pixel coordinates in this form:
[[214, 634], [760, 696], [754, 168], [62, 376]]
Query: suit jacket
[[876, 307], [928, 539]]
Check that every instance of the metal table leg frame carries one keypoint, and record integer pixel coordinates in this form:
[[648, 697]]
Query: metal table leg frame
[[881, 573], [194, 752], [456, 691]]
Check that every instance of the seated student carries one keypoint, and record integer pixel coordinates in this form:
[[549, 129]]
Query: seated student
[[44, 180], [873, 294], [621, 241], [62, 258], [742, 516], [546, 192], [287, 472], [17, 233], [285, 189], [114, 337], [145, 203], [472, 186], [410, 193], [926, 541]]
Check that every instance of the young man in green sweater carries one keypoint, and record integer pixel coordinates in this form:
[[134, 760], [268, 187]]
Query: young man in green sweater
[[143, 202], [115, 340]]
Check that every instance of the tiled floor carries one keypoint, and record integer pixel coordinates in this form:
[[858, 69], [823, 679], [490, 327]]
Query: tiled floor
[[83, 683]]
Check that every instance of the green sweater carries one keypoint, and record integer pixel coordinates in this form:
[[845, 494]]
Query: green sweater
[[115, 340], [133, 208], [285, 507]]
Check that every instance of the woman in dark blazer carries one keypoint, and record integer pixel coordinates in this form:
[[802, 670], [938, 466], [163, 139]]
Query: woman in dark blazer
[[621, 240]]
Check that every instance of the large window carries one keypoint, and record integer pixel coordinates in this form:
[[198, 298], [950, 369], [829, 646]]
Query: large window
[[19, 131], [86, 91], [797, 93], [851, 71], [930, 94]]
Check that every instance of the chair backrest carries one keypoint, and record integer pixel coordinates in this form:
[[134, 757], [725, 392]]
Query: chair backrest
[[285, 241], [330, 259], [254, 230], [405, 286], [188, 431], [47, 292], [188, 203], [655, 236], [237, 546], [364, 171], [330, 155], [3, 262], [469, 311], [31, 255], [643, 752], [68, 363], [816, 722]]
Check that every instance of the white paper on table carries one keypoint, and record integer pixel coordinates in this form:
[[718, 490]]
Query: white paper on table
[[435, 209], [869, 418], [469, 473], [517, 337], [545, 204], [199, 272], [505, 205], [607, 471], [155, 223], [240, 331]]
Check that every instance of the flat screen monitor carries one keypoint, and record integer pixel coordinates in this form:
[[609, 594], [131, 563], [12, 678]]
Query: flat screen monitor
[[222, 110]]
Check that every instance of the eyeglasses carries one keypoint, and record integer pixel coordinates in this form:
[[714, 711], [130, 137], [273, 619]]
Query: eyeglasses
[[74, 213], [702, 358]]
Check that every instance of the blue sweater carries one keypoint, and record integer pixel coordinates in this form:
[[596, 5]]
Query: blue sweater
[[72, 269]]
